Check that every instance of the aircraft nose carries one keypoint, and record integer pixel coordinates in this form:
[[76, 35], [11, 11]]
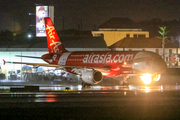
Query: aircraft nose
[[149, 62], [160, 65]]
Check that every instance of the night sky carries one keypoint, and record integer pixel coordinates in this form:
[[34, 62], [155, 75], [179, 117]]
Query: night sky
[[14, 14]]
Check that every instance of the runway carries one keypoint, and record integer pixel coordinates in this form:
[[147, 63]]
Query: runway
[[53, 101], [52, 86], [91, 105]]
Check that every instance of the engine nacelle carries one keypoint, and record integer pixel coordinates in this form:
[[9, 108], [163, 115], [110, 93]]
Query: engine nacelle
[[92, 76]]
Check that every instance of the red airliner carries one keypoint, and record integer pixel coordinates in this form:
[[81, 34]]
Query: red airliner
[[92, 66]]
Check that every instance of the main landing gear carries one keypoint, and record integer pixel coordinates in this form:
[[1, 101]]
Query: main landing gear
[[84, 84]]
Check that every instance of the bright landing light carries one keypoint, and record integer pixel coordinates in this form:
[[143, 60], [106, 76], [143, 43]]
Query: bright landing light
[[146, 78]]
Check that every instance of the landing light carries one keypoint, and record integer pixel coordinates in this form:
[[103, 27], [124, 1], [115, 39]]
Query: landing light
[[146, 78]]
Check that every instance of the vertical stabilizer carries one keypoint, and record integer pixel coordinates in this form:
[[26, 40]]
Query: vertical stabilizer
[[53, 41]]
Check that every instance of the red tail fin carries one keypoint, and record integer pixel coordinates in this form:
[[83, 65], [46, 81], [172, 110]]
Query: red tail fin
[[53, 41]]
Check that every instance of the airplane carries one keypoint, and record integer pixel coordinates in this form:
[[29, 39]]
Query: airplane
[[92, 66]]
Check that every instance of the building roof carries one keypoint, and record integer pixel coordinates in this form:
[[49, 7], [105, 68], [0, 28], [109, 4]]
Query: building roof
[[121, 23], [142, 43]]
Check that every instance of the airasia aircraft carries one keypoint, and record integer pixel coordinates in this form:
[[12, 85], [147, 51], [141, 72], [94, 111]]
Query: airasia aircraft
[[92, 66]]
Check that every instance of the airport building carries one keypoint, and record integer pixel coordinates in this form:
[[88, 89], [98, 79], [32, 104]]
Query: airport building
[[116, 29]]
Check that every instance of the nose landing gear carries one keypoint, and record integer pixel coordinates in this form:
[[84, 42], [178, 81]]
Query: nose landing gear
[[124, 80]]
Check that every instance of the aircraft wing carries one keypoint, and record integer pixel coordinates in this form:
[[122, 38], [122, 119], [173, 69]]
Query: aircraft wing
[[104, 69]]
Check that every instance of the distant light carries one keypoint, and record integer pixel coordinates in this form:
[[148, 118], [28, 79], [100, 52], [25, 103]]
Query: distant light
[[29, 35], [14, 34], [32, 25], [32, 13]]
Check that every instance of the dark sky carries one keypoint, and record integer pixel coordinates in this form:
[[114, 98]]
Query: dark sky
[[92, 12]]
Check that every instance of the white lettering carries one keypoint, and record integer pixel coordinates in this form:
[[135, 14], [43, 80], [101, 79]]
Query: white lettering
[[128, 57], [107, 58], [92, 58], [115, 60], [96, 59], [101, 58], [85, 60], [121, 58]]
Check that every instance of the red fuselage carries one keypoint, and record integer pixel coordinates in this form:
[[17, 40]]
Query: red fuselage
[[119, 62]]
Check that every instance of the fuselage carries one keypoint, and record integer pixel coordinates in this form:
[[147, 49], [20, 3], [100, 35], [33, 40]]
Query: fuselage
[[118, 62]]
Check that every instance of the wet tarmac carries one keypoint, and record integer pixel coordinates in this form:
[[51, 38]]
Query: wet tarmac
[[55, 101], [55, 86]]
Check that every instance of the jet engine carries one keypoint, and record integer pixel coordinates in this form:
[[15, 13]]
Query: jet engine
[[92, 76]]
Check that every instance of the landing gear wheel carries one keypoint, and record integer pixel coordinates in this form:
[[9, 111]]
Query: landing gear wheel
[[83, 84]]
